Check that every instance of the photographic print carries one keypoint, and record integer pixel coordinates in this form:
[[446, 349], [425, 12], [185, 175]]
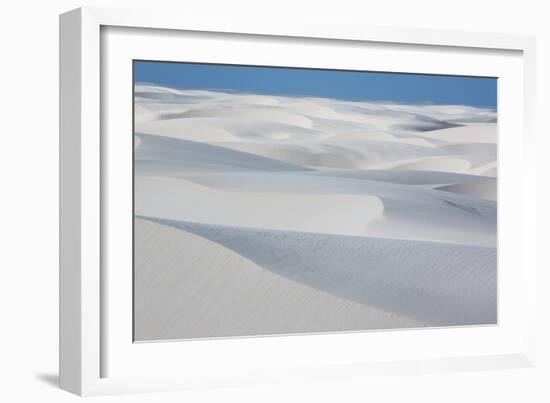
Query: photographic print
[[282, 200]]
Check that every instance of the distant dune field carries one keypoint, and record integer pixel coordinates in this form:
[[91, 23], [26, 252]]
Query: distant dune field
[[258, 215]]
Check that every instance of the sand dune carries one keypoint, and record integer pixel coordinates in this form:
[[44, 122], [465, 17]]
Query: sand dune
[[487, 149], [419, 213], [334, 153], [439, 164], [489, 169], [484, 188], [312, 155], [407, 278], [272, 114], [261, 214], [492, 171], [323, 213], [245, 116], [187, 130], [157, 154], [359, 137], [476, 133], [459, 163], [201, 288], [403, 177]]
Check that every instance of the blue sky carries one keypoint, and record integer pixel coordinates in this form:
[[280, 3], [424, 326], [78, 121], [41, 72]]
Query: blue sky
[[356, 86]]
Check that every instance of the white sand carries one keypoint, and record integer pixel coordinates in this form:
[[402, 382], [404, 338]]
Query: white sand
[[323, 213], [189, 286], [484, 188], [264, 214], [324, 204]]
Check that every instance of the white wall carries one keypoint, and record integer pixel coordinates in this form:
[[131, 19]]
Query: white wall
[[28, 200]]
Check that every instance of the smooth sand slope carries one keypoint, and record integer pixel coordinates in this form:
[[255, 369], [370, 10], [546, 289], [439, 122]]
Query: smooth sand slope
[[268, 214], [189, 286]]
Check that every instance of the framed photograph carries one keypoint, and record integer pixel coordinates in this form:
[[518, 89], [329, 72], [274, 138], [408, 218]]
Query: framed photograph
[[252, 202]]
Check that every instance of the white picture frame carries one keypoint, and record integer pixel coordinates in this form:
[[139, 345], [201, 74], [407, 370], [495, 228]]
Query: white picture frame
[[96, 355]]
